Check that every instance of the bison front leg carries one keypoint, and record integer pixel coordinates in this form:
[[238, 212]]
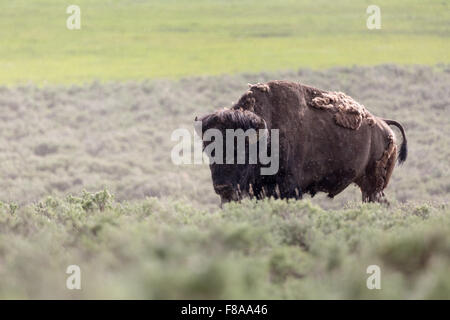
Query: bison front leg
[[288, 191]]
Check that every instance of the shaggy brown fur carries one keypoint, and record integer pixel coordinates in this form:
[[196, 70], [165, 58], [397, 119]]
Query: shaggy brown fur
[[347, 112], [318, 152], [233, 119]]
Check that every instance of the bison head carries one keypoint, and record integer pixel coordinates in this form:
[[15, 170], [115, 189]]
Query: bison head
[[232, 163]]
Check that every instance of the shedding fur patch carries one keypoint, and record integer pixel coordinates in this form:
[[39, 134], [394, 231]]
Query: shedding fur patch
[[260, 86], [347, 112], [248, 99], [246, 102]]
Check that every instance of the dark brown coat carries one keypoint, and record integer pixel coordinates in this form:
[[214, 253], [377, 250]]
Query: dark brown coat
[[327, 141]]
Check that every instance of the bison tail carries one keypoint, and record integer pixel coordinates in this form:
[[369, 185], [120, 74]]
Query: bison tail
[[403, 153]]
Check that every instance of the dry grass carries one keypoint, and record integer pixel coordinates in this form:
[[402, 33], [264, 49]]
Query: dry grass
[[60, 140]]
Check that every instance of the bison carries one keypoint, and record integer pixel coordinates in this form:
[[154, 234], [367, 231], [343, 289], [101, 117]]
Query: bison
[[326, 141]]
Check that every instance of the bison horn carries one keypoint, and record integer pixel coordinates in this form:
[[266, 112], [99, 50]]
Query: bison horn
[[263, 135], [198, 124]]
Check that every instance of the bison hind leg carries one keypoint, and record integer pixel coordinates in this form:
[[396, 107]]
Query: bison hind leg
[[377, 178], [374, 197], [390, 166], [370, 191]]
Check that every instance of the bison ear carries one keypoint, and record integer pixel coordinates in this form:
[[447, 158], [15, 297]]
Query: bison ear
[[261, 134]]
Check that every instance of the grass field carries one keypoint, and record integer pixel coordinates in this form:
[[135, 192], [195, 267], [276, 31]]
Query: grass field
[[94, 109], [164, 236], [125, 39], [272, 249]]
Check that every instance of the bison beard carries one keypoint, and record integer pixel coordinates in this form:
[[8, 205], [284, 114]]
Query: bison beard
[[326, 142]]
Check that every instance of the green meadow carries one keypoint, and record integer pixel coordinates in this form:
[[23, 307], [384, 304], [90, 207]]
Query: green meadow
[[156, 249], [131, 39]]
